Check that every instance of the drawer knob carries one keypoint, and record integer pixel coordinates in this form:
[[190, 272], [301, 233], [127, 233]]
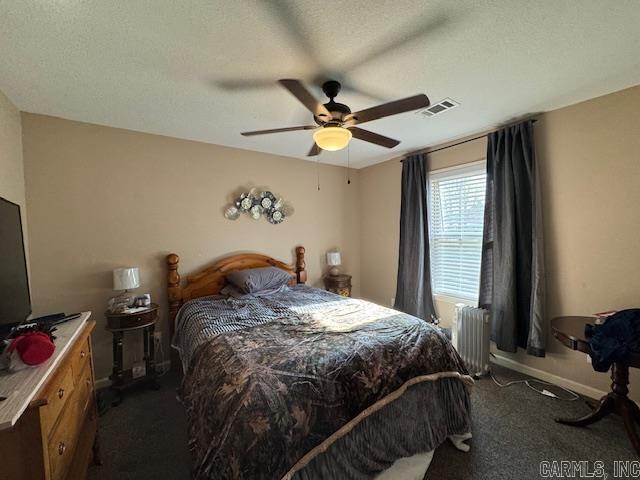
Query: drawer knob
[[60, 392], [61, 448], [82, 354]]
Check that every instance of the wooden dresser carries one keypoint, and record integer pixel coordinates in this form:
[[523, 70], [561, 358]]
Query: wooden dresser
[[48, 423]]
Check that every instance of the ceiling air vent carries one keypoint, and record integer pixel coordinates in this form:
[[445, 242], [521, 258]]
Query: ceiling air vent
[[437, 108]]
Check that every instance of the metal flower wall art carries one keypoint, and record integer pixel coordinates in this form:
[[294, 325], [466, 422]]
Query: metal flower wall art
[[258, 204]]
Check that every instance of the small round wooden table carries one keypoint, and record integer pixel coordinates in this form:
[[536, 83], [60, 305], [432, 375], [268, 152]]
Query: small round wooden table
[[339, 284], [570, 332], [119, 324]]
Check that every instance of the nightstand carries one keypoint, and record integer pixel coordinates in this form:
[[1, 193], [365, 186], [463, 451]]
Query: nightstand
[[339, 284], [120, 323]]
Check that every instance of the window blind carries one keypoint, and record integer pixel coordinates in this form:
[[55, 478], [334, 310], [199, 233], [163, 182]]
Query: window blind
[[456, 202]]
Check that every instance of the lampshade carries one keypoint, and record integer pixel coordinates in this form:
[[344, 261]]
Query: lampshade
[[333, 259], [332, 138], [126, 278]]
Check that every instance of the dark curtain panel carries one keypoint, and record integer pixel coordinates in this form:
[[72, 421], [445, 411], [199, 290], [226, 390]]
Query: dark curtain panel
[[413, 291], [512, 273]]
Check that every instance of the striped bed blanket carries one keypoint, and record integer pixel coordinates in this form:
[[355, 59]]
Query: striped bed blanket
[[284, 386]]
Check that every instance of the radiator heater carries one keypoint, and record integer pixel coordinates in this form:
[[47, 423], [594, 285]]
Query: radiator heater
[[470, 337]]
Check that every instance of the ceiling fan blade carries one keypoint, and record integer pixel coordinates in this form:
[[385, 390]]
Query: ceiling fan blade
[[408, 34], [371, 137], [299, 91], [315, 150], [376, 96], [294, 26], [388, 109], [278, 130], [238, 84]]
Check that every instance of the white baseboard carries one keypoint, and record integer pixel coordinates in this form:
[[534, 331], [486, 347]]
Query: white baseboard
[[104, 382], [580, 388]]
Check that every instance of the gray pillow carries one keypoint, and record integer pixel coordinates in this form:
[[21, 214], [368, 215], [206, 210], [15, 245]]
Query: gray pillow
[[254, 280], [234, 292]]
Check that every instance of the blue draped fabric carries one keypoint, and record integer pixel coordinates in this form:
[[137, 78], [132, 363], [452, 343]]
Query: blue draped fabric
[[615, 339]]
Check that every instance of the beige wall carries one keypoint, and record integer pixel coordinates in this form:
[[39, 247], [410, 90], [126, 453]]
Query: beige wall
[[101, 197], [11, 165], [589, 157]]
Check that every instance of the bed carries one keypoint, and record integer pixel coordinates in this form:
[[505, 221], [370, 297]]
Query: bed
[[303, 384]]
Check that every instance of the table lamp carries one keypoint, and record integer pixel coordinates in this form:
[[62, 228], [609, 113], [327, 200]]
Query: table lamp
[[333, 260], [124, 279]]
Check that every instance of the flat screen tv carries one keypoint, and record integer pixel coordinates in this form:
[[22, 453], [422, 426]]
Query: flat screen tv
[[15, 301]]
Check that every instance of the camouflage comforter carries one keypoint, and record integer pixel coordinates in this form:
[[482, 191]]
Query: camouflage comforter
[[302, 365]]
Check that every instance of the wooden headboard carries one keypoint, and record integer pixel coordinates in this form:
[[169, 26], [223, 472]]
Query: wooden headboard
[[212, 279]]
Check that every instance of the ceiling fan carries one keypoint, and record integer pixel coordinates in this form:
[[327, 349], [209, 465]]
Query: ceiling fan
[[336, 124]]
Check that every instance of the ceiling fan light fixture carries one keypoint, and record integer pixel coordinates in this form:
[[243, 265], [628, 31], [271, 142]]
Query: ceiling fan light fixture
[[332, 138]]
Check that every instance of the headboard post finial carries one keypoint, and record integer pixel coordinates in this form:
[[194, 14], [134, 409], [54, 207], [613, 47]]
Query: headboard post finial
[[174, 291], [301, 274]]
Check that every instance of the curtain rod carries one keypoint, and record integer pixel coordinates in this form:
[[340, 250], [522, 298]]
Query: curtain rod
[[426, 150]]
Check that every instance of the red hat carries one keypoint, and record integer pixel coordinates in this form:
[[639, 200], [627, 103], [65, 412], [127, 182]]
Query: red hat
[[34, 348]]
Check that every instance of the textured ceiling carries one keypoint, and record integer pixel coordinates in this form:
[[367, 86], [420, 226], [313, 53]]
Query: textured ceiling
[[207, 70]]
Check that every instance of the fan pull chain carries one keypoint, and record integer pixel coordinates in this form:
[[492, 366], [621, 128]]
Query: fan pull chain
[[349, 164], [318, 170]]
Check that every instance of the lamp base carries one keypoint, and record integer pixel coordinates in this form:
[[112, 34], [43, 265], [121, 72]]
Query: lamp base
[[121, 302], [333, 271]]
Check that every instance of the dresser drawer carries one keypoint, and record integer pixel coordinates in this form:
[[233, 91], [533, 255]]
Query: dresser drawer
[[80, 357], [83, 454], [85, 396], [63, 440], [56, 395]]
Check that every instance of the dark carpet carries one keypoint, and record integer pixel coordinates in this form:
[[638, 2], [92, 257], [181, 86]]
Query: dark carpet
[[513, 431]]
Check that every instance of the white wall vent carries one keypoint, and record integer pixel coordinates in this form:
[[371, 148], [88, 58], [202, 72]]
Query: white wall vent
[[437, 108]]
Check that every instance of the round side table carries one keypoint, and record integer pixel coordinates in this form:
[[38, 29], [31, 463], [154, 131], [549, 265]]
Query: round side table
[[119, 324], [338, 284], [570, 332]]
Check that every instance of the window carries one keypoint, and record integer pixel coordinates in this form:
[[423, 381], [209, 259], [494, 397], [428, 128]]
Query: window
[[456, 217]]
